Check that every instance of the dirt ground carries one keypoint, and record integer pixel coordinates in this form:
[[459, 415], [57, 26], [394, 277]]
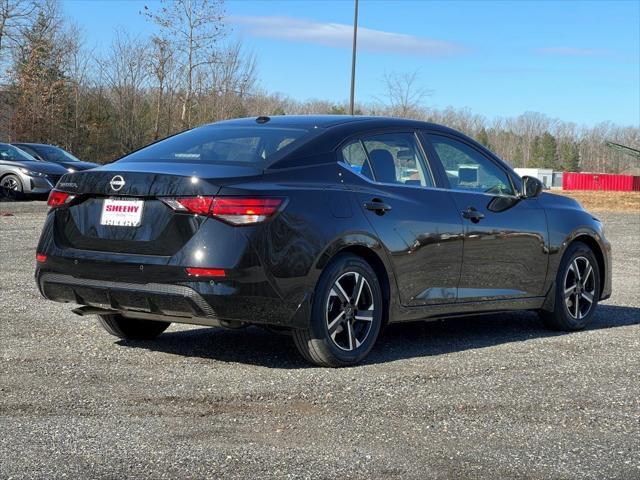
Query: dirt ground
[[600, 201], [485, 397]]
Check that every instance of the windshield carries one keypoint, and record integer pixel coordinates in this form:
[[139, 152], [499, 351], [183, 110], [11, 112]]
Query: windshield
[[9, 152], [221, 144], [55, 154]]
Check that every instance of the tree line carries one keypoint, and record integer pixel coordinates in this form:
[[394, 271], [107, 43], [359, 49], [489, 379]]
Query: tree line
[[54, 88]]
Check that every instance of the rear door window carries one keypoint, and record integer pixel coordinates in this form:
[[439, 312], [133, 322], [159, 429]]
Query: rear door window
[[397, 158]]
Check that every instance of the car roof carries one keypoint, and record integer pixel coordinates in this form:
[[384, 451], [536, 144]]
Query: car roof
[[337, 128], [327, 121], [33, 144]]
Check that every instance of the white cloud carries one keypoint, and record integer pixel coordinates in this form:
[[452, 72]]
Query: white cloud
[[341, 35]]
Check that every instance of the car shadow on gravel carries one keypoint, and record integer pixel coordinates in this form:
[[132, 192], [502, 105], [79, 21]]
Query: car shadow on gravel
[[256, 346]]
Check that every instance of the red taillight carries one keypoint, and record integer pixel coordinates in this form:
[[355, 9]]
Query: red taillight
[[205, 272], [57, 198], [234, 210], [241, 211], [41, 257], [197, 205]]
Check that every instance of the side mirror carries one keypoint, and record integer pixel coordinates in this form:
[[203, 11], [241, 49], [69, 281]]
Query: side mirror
[[531, 187]]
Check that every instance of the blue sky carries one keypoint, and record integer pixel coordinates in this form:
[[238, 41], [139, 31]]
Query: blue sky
[[574, 60]]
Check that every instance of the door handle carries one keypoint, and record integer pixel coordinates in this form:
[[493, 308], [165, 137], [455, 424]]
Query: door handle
[[472, 214], [377, 206]]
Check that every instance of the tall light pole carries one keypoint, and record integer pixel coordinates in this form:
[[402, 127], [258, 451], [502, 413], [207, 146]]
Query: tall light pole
[[353, 60]]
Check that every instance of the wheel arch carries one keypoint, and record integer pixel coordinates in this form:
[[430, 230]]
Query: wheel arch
[[15, 174], [16, 194], [371, 251], [597, 250]]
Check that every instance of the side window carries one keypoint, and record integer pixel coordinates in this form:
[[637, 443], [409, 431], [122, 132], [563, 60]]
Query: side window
[[396, 158], [354, 155], [469, 170]]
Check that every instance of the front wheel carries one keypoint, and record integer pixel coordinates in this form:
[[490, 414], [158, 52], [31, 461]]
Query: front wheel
[[346, 314], [577, 290], [12, 187], [132, 328]]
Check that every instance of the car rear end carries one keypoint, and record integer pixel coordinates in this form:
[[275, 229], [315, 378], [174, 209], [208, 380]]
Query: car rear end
[[157, 236]]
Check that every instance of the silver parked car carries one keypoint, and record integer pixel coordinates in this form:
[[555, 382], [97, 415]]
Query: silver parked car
[[20, 173]]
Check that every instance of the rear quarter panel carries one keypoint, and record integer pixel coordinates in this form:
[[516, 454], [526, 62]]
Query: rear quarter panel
[[320, 219]]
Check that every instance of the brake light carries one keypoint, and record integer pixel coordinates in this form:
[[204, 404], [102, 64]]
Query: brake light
[[58, 199], [41, 257], [197, 205], [205, 272], [234, 210], [242, 211]]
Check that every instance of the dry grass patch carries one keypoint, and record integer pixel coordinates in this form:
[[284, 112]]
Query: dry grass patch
[[598, 200]]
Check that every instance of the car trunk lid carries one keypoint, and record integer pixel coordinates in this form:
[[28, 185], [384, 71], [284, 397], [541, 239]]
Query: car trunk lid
[[155, 179], [135, 192]]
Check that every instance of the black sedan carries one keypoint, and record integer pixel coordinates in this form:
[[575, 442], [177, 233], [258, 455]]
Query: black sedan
[[325, 226], [53, 154]]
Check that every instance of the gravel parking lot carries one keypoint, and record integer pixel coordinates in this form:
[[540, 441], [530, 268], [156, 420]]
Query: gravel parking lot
[[485, 397]]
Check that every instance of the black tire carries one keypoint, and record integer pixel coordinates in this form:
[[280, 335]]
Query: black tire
[[569, 314], [353, 334], [12, 186], [132, 328]]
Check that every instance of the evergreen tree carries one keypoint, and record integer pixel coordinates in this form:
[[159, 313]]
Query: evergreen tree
[[518, 157], [569, 156], [548, 150], [536, 159], [483, 138]]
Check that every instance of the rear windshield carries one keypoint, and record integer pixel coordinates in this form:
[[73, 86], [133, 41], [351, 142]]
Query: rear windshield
[[222, 144]]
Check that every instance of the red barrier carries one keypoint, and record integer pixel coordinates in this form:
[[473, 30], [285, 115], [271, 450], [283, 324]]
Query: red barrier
[[600, 181]]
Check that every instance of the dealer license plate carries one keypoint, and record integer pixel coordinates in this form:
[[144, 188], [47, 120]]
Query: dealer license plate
[[122, 213]]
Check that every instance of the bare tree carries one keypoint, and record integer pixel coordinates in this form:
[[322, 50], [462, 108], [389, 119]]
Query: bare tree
[[403, 93], [162, 66], [15, 16], [194, 27], [232, 80], [126, 72], [78, 67]]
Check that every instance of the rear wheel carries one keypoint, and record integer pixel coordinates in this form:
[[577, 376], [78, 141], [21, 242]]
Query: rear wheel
[[132, 328], [577, 290], [346, 315]]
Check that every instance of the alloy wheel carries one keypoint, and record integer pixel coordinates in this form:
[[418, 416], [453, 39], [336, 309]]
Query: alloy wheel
[[10, 183], [579, 288], [349, 311]]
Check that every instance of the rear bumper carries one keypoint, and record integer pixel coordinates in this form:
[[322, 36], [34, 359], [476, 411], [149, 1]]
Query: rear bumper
[[158, 298], [190, 303]]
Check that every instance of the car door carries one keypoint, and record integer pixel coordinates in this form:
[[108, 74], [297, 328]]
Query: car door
[[505, 237], [418, 224]]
